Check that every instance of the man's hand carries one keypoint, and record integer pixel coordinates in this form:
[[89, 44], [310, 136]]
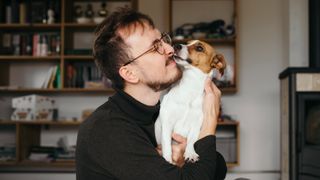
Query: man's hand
[[211, 107], [178, 148]]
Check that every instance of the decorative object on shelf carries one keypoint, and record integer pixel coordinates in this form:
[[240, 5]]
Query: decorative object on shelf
[[86, 113], [214, 30], [80, 15], [50, 13], [33, 107], [89, 11], [102, 13]]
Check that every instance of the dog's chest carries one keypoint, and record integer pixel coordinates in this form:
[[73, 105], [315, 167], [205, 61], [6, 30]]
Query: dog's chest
[[189, 88]]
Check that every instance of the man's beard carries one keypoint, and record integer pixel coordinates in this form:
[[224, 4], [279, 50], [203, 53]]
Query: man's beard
[[159, 86]]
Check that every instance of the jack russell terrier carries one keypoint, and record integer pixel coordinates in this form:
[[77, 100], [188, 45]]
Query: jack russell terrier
[[181, 106]]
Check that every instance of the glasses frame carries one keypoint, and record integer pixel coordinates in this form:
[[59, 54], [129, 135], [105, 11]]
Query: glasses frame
[[156, 44]]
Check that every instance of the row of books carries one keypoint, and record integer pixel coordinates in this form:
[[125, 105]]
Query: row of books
[[27, 11], [83, 75], [52, 78], [35, 44]]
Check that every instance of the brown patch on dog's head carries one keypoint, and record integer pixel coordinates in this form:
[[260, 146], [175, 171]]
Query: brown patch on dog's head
[[204, 57]]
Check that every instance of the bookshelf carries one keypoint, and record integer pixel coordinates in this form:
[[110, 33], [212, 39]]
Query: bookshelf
[[62, 48], [65, 28]]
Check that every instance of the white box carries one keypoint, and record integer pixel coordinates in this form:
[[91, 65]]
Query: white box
[[32, 114], [33, 102], [33, 107]]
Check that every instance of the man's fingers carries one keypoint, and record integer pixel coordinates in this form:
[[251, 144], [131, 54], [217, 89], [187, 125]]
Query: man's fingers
[[178, 138], [208, 86]]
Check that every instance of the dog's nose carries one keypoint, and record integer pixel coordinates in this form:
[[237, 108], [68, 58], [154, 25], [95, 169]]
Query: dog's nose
[[177, 47]]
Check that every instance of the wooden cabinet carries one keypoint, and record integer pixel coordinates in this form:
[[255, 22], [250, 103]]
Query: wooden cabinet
[[213, 21], [228, 141]]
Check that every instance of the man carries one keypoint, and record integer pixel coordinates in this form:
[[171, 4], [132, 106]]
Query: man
[[117, 141]]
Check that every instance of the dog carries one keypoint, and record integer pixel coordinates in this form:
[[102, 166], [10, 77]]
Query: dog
[[181, 106]]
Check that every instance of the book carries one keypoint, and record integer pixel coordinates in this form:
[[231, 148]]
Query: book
[[22, 13], [47, 78], [8, 14], [52, 77]]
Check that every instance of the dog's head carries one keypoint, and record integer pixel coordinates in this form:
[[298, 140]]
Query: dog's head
[[201, 55]]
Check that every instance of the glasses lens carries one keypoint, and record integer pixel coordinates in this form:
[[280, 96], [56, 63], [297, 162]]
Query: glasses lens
[[166, 38], [158, 46]]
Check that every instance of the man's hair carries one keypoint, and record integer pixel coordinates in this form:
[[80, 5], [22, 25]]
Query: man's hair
[[110, 51]]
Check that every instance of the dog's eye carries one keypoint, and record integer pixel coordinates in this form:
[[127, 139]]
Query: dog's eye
[[199, 48]]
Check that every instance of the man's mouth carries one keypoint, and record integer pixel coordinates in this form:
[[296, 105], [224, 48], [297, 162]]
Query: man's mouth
[[177, 58], [170, 60]]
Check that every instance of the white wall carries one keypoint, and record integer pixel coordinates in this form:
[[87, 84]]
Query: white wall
[[265, 48], [256, 105]]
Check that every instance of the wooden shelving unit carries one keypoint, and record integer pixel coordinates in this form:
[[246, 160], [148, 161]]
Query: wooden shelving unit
[[28, 133]]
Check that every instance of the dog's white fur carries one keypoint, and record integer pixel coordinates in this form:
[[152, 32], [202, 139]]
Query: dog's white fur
[[181, 109]]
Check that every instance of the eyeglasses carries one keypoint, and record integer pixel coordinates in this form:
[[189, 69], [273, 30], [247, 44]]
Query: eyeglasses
[[157, 46]]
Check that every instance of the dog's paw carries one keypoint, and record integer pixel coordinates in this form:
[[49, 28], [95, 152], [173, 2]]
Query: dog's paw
[[191, 157]]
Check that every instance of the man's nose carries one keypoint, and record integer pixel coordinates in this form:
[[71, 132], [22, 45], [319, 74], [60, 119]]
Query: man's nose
[[168, 49]]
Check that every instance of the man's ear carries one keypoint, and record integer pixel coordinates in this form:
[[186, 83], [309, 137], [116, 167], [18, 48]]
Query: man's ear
[[128, 74]]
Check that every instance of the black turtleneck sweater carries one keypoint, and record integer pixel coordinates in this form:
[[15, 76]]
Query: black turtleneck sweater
[[118, 142]]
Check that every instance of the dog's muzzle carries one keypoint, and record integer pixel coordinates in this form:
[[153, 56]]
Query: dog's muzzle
[[181, 54]]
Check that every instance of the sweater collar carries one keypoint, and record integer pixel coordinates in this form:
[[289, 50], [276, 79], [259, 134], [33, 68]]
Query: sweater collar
[[139, 112]]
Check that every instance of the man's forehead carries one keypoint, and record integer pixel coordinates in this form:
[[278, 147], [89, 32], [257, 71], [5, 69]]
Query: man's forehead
[[137, 27]]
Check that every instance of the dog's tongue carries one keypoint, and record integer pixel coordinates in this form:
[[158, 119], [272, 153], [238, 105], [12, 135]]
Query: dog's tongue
[[177, 58]]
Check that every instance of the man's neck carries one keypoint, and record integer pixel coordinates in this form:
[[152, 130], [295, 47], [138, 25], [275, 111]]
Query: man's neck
[[144, 95]]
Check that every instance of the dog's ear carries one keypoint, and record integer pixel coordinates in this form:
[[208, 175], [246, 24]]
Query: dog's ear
[[219, 62]]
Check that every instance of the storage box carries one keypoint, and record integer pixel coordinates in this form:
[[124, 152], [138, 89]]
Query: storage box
[[33, 107], [227, 147], [33, 102]]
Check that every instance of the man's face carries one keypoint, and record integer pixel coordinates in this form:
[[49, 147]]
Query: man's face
[[157, 71]]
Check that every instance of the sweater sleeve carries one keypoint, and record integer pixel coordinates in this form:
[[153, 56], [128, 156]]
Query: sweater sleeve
[[125, 152]]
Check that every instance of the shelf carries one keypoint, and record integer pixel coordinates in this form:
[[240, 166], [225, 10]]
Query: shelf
[[79, 90], [79, 25], [64, 90], [209, 40], [75, 123], [228, 122], [7, 58], [228, 90], [78, 57], [68, 163], [42, 122], [7, 163], [37, 25]]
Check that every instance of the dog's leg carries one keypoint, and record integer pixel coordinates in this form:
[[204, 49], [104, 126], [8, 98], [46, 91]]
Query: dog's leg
[[158, 130], [195, 117], [190, 154], [166, 141]]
